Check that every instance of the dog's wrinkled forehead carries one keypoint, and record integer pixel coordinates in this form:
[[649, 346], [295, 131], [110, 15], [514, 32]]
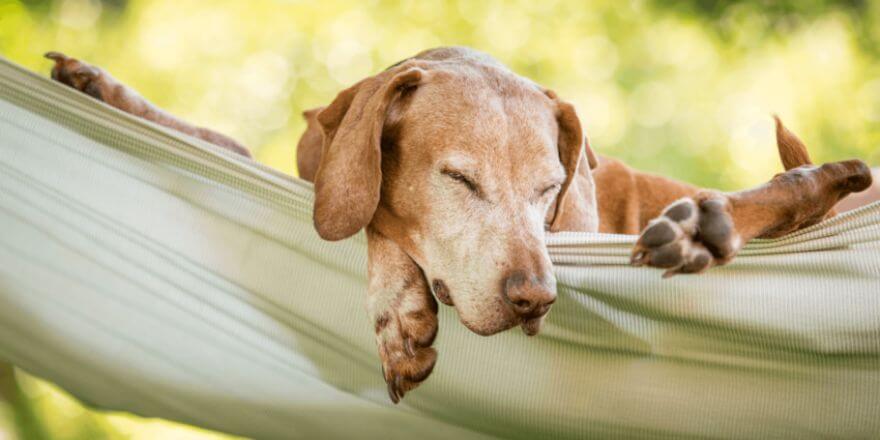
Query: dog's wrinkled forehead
[[477, 109]]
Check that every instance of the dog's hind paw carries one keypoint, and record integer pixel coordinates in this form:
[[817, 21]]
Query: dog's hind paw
[[79, 75], [690, 236]]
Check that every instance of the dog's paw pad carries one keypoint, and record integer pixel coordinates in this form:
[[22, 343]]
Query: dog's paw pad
[[404, 334], [690, 236], [684, 213]]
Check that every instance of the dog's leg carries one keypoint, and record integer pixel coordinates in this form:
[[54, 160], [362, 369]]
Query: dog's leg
[[404, 314], [708, 228], [98, 84]]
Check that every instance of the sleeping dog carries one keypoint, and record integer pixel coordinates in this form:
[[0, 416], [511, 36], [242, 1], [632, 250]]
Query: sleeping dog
[[456, 168]]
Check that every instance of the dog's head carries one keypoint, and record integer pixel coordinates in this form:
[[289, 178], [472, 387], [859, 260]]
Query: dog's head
[[465, 166]]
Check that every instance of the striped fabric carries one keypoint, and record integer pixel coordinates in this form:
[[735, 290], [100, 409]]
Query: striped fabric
[[150, 272]]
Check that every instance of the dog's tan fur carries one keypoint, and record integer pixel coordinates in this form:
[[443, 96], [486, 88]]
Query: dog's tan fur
[[455, 167]]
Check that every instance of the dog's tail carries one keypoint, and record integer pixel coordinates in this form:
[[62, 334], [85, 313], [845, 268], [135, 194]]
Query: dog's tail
[[792, 151]]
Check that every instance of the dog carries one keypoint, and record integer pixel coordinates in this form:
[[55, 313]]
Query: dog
[[456, 168]]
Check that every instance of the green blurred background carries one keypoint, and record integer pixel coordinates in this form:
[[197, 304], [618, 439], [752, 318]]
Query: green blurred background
[[684, 88]]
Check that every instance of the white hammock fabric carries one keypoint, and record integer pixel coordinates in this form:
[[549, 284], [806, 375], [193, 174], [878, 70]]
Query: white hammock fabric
[[150, 272]]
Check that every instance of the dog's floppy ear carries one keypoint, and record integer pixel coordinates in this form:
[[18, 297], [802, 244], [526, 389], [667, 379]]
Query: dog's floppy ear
[[574, 210], [310, 145], [349, 177]]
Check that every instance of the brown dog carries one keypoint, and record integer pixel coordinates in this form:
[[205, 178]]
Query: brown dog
[[456, 167]]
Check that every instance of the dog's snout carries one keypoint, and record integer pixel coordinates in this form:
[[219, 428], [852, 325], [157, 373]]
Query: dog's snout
[[530, 296]]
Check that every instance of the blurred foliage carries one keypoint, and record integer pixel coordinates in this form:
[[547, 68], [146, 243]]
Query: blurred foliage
[[683, 88]]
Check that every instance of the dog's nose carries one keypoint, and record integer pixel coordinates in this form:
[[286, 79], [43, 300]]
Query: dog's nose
[[530, 296]]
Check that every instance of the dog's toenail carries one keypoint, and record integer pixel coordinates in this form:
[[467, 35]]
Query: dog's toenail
[[392, 389], [637, 259], [409, 347]]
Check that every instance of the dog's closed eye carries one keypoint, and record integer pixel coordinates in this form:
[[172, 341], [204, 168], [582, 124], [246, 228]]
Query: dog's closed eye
[[551, 188], [464, 180], [546, 191]]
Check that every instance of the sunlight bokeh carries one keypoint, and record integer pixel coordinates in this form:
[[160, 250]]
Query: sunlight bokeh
[[681, 88]]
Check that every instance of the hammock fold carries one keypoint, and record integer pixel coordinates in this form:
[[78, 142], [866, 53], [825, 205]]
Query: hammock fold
[[146, 271]]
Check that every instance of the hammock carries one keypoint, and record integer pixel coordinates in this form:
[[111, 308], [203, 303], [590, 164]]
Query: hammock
[[153, 273]]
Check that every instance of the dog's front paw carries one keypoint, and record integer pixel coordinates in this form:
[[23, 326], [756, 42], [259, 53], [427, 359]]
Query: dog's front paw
[[405, 331], [690, 236], [79, 75]]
